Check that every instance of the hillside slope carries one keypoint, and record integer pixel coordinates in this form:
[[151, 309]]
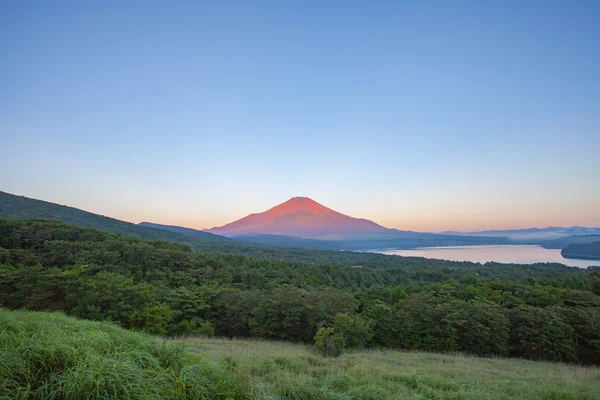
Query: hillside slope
[[22, 208], [392, 239], [261, 239], [287, 371], [52, 356]]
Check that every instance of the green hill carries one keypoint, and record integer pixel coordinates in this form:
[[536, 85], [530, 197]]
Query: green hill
[[23, 208], [277, 370], [51, 356], [589, 251]]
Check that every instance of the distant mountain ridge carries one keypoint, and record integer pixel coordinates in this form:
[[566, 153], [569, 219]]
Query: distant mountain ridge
[[395, 239], [308, 225], [300, 217], [533, 234], [563, 242]]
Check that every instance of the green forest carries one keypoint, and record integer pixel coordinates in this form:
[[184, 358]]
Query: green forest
[[540, 312], [589, 251]]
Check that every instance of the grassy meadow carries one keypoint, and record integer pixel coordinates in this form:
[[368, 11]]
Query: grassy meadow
[[289, 371], [53, 356]]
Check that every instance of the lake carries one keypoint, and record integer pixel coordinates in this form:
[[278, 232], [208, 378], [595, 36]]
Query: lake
[[521, 254]]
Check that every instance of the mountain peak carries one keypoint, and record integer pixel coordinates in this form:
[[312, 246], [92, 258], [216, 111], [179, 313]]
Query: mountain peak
[[300, 217], [300, 200], [301, 205]]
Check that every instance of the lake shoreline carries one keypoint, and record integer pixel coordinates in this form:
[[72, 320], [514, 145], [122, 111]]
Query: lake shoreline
[[499, 253]]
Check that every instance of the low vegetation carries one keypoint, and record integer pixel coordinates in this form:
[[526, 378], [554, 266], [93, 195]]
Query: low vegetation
[[288, 371], [52, 356]]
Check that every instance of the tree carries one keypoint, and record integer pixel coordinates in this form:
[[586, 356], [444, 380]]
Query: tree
[[328, 343], [481, 328], [206, 329], [541, 334], [282, 315], [152, 319], [355, 330]]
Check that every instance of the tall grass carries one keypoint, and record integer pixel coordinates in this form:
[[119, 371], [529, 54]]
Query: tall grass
[[290, 371], [52, 356]]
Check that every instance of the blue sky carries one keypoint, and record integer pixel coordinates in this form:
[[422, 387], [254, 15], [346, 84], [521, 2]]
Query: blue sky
[[425, 115]]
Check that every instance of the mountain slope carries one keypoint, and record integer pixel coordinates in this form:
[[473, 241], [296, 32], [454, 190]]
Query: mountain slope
[[392, 238], [20, 207], [300, 217], [261, 239]]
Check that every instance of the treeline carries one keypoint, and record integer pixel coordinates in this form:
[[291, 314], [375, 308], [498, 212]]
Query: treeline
[[543, 312]]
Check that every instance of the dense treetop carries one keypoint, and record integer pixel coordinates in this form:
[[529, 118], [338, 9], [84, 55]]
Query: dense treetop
[[540, 311]]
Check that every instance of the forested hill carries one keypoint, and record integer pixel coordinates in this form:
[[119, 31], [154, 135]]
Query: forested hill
[[590, 251], [543, 311], [20, 207]]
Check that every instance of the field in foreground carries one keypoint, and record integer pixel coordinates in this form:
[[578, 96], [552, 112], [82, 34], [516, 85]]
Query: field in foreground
[[52, 356], [288, 371]]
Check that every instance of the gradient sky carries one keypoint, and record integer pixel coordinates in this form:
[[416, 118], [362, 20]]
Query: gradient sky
[[420, 115]]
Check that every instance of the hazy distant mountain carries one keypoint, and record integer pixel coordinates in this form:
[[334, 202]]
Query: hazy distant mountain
[[533, 235], [563, 242], [300, 217], [391, 239]]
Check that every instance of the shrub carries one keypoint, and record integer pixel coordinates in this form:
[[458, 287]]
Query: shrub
[[328, 343], [206, 329]]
